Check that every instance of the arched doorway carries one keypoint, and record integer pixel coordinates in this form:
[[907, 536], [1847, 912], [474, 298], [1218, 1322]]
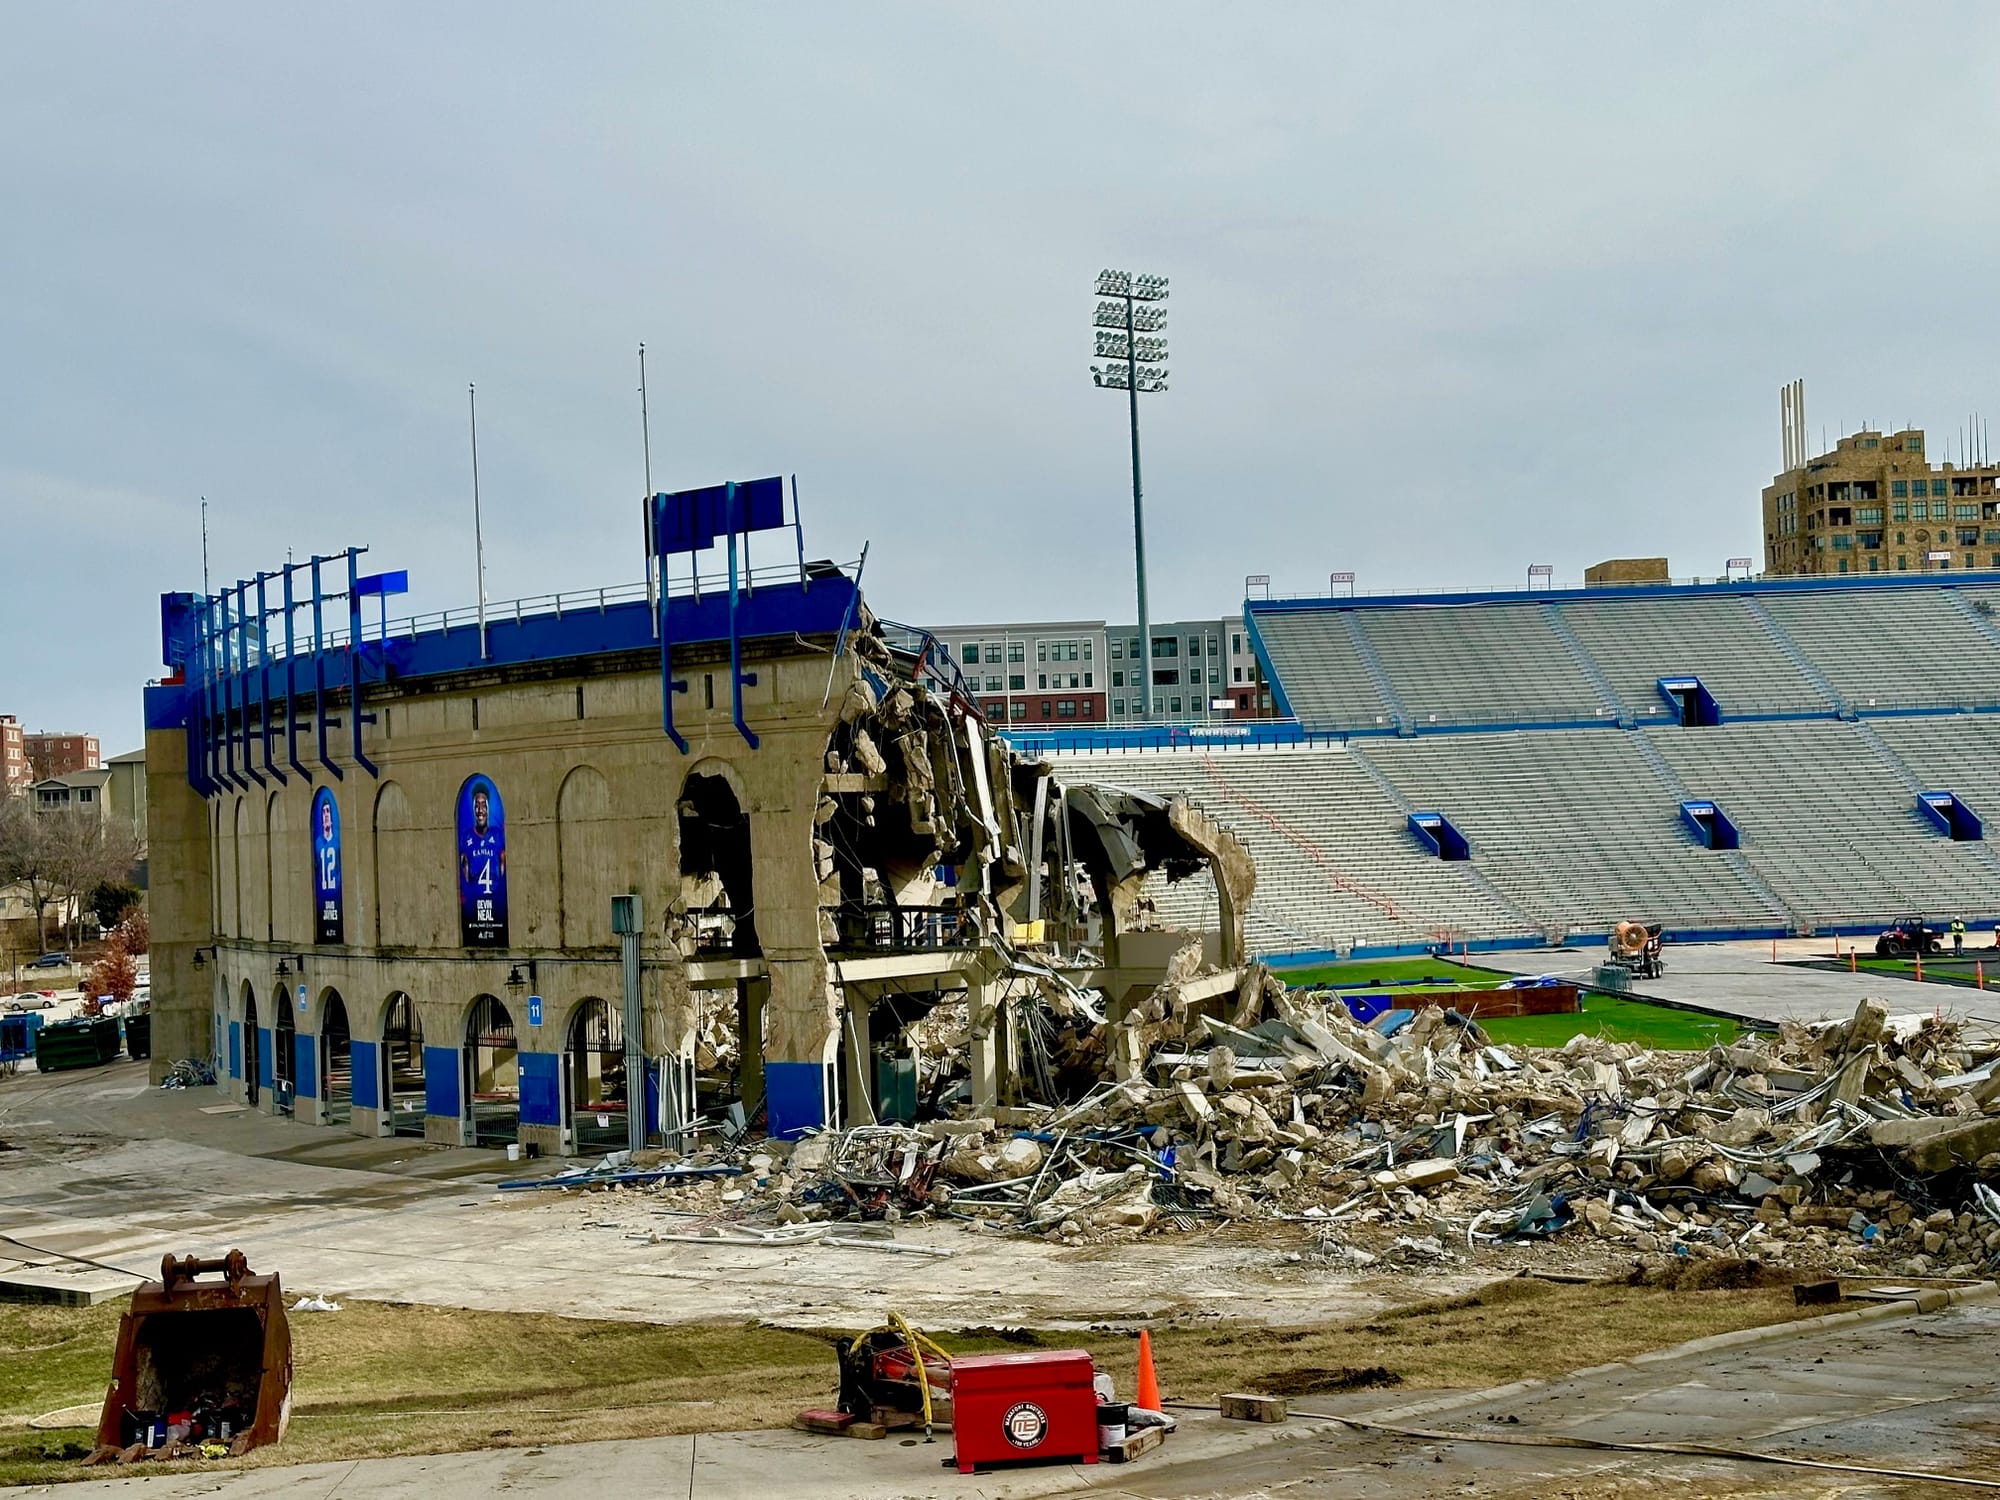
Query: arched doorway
[[715, 866], [596, 1066], [336, 1059], [284, 1052], [403, 1092], [252, 1047], [493, 1075]]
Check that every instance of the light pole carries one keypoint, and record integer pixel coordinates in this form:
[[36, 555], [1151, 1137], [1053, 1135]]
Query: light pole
[[1128, 321]]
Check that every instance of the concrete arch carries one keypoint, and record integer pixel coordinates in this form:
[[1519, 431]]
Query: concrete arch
[[710, 765], [587, 849], [284, 1049], [274, 829], [238, 829], [595, 1085], [717, 886], [395, 842], [403, 1090], [334, 1058], [255, 1054], [491, 1048]]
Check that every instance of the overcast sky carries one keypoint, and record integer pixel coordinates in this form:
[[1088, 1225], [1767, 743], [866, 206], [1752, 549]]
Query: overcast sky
[[1455, 289]]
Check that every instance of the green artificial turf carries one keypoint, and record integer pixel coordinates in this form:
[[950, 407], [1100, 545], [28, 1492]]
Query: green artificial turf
[[1656, 1026], [1356, 973], [1660, 1027]]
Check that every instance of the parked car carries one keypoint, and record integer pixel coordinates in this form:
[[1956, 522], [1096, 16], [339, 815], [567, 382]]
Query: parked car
[[52, 961], [32, 1000]]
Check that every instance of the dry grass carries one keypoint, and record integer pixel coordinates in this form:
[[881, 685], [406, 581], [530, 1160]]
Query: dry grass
[[379, 1378]]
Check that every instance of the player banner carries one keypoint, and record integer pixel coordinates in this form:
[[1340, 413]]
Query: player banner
[[482, 865], [329, 923]]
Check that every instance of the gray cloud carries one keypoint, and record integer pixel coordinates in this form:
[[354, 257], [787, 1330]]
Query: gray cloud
[[1457, 288]]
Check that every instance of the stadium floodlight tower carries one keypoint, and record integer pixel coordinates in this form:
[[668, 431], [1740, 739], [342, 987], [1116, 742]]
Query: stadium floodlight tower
[[1129, 323]]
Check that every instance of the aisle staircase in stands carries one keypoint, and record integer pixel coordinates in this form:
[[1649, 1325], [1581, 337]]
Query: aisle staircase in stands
[[1798, 658], [1734, 858]]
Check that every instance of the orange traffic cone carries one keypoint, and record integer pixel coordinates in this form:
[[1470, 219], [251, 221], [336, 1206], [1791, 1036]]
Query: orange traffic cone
[[1149, 1384]]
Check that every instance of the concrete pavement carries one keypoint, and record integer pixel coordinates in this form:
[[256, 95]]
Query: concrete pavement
[[121, 1174], [1740, 979]]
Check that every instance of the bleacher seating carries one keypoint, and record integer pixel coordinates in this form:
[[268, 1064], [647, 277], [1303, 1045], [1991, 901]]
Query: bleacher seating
[[1484, 663], [1575, 826], [1328, 683], [1903, 648], [1838, 703], [1636, 642], [1336, 864]]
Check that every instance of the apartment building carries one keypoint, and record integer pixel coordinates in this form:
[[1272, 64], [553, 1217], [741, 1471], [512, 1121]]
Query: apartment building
[[60, 754], [1876, 504], [14, 772], [1042, 672], [1202, 670]]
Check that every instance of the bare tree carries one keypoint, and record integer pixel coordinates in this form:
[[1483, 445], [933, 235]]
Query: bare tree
[[89, 851], [28, 857]]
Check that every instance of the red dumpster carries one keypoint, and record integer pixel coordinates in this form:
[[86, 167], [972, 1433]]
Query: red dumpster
[[1009, 1407]]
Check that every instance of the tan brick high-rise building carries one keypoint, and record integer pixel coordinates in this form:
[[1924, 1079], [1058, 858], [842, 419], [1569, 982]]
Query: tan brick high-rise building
[[1876, 504]]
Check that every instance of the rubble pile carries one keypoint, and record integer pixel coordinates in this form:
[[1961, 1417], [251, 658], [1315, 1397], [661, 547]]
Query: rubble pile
[[1862, 1145]]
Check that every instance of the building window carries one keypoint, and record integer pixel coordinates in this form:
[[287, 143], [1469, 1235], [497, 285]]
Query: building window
[[1898, 489], [1913, 445], [1042, 681], [1176, 706], [1899, 512], [1902, 562], [1086, 679], [1117, 648], [1017, 651], [1086, 650], [1213, 643], [1937, 487], [1020, 711], [1017, 682], [1239, 674], [1843, 565], [1046, 705], [1842, 542], [969, 652], [1117, 708], [1868, 515], [85, 794], [1132, 648], [1215, 677], [1874, 564], [1066, 709], [1166, 677], [1236, 645], [1041, 650], [1968, 536], [1194, 645], [1118, 677], [1965, 512], [1165, 646]]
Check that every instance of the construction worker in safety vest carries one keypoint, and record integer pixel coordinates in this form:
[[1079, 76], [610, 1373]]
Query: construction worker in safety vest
[[1957, 934]]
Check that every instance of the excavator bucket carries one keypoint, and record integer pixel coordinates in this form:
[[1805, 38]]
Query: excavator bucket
[[199, 1362]]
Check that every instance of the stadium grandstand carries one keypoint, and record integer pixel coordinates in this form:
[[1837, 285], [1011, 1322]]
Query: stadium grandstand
[[1770, 756]]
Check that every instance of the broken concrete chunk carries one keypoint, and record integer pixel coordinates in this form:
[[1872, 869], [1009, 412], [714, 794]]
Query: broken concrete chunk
[[1430, 1172]]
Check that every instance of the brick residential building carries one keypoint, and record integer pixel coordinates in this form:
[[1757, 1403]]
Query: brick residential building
[[15, 773], [61, 754]]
